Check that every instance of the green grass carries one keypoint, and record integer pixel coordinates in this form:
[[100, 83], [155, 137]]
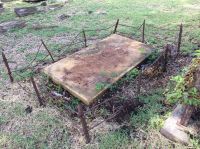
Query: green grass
[[100, 85], [42, 130], [158, 12], [167, 14], [19, 76], [149, 116], [113, 140]]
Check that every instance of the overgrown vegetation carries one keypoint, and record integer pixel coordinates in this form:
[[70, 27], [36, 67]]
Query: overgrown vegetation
[[150, 115], [183, 90], [144, 121]]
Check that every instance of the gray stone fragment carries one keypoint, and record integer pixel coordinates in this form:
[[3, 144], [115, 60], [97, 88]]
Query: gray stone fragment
[[7, 26], [25, 11], [64, 16], [173, 131]]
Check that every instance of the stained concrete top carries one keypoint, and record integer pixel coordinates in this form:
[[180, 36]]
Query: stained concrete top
[[89, 72]]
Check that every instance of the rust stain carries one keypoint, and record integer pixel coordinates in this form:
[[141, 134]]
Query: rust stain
[[83, 70]]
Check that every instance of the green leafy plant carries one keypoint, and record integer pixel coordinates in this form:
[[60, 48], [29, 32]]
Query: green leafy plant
[[99, 86], [152, 57], [197, 53], [182, 89], [132, 74]]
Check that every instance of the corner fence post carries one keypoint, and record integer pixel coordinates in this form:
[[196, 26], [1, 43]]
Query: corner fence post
[[36, 91], [187, 114], [47, 50], [165, 58], [83, 122], [7, 67], [139, 83], [143, 32], [85, 39], [179, 38], [116, 25]]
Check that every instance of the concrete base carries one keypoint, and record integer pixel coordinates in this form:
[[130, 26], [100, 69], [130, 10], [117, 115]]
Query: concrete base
[[171, 130]]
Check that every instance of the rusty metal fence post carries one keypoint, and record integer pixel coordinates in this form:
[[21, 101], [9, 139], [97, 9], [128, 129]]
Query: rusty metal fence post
[[85, 39], [116, 25], [36, 91], [83, 122], [179, 38], [139, 83], [165, 58], [7, 67], [47, 50], [143, 32], [187, 114]]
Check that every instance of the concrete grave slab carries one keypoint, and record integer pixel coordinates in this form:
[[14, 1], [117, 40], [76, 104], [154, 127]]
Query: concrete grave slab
[[7, 26], [25, 11], [89, 72]]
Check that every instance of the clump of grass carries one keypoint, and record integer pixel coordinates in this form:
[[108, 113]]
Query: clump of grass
[[153, 56], [22, 75], [148, 116], [113, 140], [132, 74], [100, 85]]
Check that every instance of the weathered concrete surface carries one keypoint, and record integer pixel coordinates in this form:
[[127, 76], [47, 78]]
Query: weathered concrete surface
[[7, 26], [89, 72], [25, 11], [172, 130]]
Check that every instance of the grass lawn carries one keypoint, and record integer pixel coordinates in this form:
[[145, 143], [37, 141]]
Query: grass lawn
[[45, 127]]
